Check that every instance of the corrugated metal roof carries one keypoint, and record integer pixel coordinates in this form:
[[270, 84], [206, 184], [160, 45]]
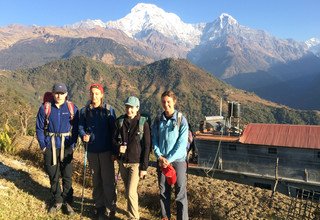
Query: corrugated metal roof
[[299, 136]]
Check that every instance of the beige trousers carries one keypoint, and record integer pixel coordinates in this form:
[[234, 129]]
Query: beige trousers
[[130, 175]]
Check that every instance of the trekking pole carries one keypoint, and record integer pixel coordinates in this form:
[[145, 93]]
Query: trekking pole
[[85, 144]]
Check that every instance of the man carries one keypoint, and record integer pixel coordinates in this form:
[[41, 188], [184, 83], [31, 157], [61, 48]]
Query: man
[[169, 139], [96, 127], [57, 138]]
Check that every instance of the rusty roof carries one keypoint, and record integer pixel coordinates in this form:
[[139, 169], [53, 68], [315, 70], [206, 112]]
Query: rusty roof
[[285, 135], [202, 136]]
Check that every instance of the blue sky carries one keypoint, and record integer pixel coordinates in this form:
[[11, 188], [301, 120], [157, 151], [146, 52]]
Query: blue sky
[[297, 19]]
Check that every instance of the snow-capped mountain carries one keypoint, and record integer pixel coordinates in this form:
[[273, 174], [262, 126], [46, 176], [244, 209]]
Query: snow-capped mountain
[[312, 42], [314, 46], [89, 24], [144, 18]]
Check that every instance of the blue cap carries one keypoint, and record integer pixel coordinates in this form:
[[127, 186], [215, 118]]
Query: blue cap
[[59, 88], [132, 101]]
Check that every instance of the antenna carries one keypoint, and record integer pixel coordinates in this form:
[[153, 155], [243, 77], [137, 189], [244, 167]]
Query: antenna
[[220, 106]]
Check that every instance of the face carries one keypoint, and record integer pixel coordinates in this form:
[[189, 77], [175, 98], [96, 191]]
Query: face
[[96, 96], [131, 111], [60, 97], [168, 105]]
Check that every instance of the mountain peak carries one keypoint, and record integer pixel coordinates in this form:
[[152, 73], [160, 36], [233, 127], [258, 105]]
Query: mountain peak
[[148, 17], [226, 19], [144, 7], [312, 42], [88, 24]]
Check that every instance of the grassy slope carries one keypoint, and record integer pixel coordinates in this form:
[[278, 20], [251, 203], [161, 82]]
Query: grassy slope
[[24, 193]]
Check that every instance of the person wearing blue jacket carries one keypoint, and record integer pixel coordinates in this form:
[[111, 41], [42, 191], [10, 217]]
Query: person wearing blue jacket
[[170, 139], [57, 133], [96, 128]]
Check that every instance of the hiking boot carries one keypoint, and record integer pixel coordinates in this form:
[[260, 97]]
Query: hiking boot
[[69, 210], [56, 207], [111, 214], [100, 213]]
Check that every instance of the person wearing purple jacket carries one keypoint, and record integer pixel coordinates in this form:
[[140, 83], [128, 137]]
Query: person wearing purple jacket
[[57, 133]]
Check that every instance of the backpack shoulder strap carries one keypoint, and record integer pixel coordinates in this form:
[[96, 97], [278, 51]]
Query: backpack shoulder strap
[[47, 109], [47, 112], [119, 121], [142, 120], [71, 109], [108, 108], [179, 119]]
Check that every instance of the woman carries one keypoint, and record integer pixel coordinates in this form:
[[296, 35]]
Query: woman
[[133, 138], [170, 139], [96, 127]]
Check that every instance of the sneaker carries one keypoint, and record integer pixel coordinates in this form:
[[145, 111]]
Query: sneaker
[[56, 207], [69, 209]]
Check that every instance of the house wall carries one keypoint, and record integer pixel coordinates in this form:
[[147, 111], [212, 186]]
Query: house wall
[[294, 163]]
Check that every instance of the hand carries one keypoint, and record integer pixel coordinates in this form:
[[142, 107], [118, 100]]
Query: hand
[[142, 174], [86, 138], [163, 162], [122, 149]]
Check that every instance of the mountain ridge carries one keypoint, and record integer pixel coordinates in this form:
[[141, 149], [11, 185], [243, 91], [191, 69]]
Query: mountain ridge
[[198, 92]]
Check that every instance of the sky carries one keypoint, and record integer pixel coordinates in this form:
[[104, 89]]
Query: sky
[[296, 19]]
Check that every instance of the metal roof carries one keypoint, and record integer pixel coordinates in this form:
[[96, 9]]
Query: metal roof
[[202, 136], [285, 135]]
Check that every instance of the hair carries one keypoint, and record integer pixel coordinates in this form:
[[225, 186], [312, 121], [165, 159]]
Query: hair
[[170, 94]]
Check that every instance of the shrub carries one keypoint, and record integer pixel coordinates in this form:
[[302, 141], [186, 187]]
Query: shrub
[[6, 142]]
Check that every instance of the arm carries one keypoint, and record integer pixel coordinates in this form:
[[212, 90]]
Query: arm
[[40, 127], [82, 123], [113, 130], [146, 148], [75, 130], [180, 148], [115, 138], [155, 138]]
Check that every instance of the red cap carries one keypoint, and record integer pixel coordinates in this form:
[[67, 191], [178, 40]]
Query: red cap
[[170, 173], [97, 86]]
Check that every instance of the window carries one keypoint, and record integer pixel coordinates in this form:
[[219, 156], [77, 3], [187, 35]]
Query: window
[[272, 150], [232, 147], [318, 154]]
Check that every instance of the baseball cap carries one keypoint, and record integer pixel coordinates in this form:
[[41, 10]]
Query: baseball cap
[[59, 87], [170, 174], [97, 86], [132, 101]]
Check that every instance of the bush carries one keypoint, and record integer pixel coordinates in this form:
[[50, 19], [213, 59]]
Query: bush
[[6, 142]]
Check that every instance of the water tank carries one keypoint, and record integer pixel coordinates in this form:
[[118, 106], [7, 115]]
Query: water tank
[[233, 109]]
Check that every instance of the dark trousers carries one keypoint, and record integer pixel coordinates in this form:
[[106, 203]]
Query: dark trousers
[[104, 191], [180, 192], [62, 169]]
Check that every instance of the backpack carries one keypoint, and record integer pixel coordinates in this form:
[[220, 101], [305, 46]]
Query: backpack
[[47, 100], [105, 106], [179, 120], [143, 119], [87, 113]]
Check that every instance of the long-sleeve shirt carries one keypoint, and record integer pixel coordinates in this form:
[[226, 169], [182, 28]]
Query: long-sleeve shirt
[[99, 123], [59, 122], [170, 140], [138, 151]]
